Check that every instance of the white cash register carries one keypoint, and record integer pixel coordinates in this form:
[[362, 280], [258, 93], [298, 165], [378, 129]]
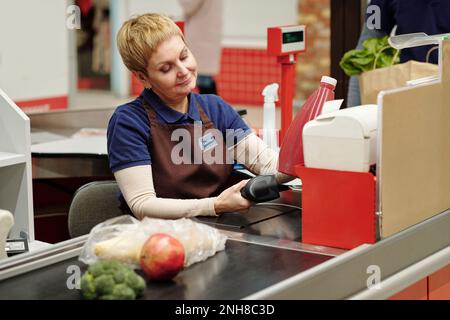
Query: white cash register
[[343, 140]]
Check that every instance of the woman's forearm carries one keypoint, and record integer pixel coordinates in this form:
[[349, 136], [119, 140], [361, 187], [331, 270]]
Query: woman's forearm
[[136, 184], [258, 158]]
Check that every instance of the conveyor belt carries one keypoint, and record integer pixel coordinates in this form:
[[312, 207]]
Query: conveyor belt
[[259, 267], [251, 267], [280, 218]]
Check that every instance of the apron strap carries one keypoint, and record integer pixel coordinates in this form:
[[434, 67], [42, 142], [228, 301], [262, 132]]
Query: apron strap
[[203, 115], [150, 112]]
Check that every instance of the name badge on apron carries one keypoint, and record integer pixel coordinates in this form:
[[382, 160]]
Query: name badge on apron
[[207, 142]]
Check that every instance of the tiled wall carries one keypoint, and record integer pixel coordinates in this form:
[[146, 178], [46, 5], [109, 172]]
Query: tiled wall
[[315, 62], [244, 74]]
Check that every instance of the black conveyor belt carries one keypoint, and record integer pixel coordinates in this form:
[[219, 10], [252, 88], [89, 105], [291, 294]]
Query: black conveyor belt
[[249, 267]]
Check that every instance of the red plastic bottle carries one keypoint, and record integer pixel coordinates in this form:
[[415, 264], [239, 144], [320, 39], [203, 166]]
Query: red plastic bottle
[[291, 151]]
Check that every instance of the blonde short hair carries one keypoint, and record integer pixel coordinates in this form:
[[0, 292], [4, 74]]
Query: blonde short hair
[[139, 37]]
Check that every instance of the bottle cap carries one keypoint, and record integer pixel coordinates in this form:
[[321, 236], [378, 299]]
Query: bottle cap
[[329, 80]]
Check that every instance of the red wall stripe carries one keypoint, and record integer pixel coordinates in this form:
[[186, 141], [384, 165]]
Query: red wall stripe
[[44, 104]]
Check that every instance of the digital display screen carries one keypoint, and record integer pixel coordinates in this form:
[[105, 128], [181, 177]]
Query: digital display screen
[[290, 37]]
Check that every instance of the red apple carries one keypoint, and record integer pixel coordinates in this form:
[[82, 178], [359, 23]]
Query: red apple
[[162, 257]]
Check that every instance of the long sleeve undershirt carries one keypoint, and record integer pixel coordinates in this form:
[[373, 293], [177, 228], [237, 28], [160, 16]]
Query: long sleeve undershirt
[[136, 183]]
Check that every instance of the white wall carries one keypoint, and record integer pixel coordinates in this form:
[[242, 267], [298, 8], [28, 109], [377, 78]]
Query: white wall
[[168, 7], [33, 49], [245, 21]]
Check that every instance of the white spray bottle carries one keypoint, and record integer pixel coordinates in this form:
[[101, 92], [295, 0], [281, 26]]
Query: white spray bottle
[[270, 135]]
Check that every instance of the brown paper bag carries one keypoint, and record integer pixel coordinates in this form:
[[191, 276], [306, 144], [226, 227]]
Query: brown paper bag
[[396, 76]]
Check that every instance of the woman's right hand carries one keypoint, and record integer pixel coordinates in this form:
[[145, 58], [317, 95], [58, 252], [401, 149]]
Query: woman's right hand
[[231, 200]]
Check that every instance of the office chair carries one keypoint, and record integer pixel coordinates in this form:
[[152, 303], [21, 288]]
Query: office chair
[[93, 203]]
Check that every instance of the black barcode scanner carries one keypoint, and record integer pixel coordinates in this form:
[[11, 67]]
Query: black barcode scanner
[[262, 189]]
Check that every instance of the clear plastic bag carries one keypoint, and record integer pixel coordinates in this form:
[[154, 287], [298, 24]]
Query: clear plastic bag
[[122, 238]]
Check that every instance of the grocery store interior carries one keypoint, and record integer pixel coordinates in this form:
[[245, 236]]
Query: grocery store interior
[[350, 98]]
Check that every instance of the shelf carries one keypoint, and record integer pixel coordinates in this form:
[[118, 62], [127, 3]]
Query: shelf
[[15, 158], [8, 159], [36, 245]]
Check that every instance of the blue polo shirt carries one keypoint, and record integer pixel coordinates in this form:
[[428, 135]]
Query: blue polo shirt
[[129, 131], [411, 16]]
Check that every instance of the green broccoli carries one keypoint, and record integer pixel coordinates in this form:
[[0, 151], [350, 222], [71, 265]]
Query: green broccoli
[[123, 292], [111, 280], [104, 284], [88, 287], [135, 283]]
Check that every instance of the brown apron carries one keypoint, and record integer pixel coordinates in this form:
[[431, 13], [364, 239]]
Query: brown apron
[[185, 180]]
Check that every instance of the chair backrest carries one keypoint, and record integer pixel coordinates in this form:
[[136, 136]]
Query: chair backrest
[[92, 204]]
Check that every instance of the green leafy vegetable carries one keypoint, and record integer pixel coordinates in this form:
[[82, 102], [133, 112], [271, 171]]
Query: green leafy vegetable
[[375, 50], [111, 280]]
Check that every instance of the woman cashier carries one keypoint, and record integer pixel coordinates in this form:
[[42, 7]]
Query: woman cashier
[[171, 150]]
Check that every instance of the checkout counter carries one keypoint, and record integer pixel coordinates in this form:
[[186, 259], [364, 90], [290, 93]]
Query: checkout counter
[[266, 255], [264, 258]]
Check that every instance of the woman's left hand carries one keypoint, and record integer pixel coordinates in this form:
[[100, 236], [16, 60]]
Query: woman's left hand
[[231, 200]]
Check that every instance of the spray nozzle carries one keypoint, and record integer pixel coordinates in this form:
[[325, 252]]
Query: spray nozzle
[[270, 92]]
